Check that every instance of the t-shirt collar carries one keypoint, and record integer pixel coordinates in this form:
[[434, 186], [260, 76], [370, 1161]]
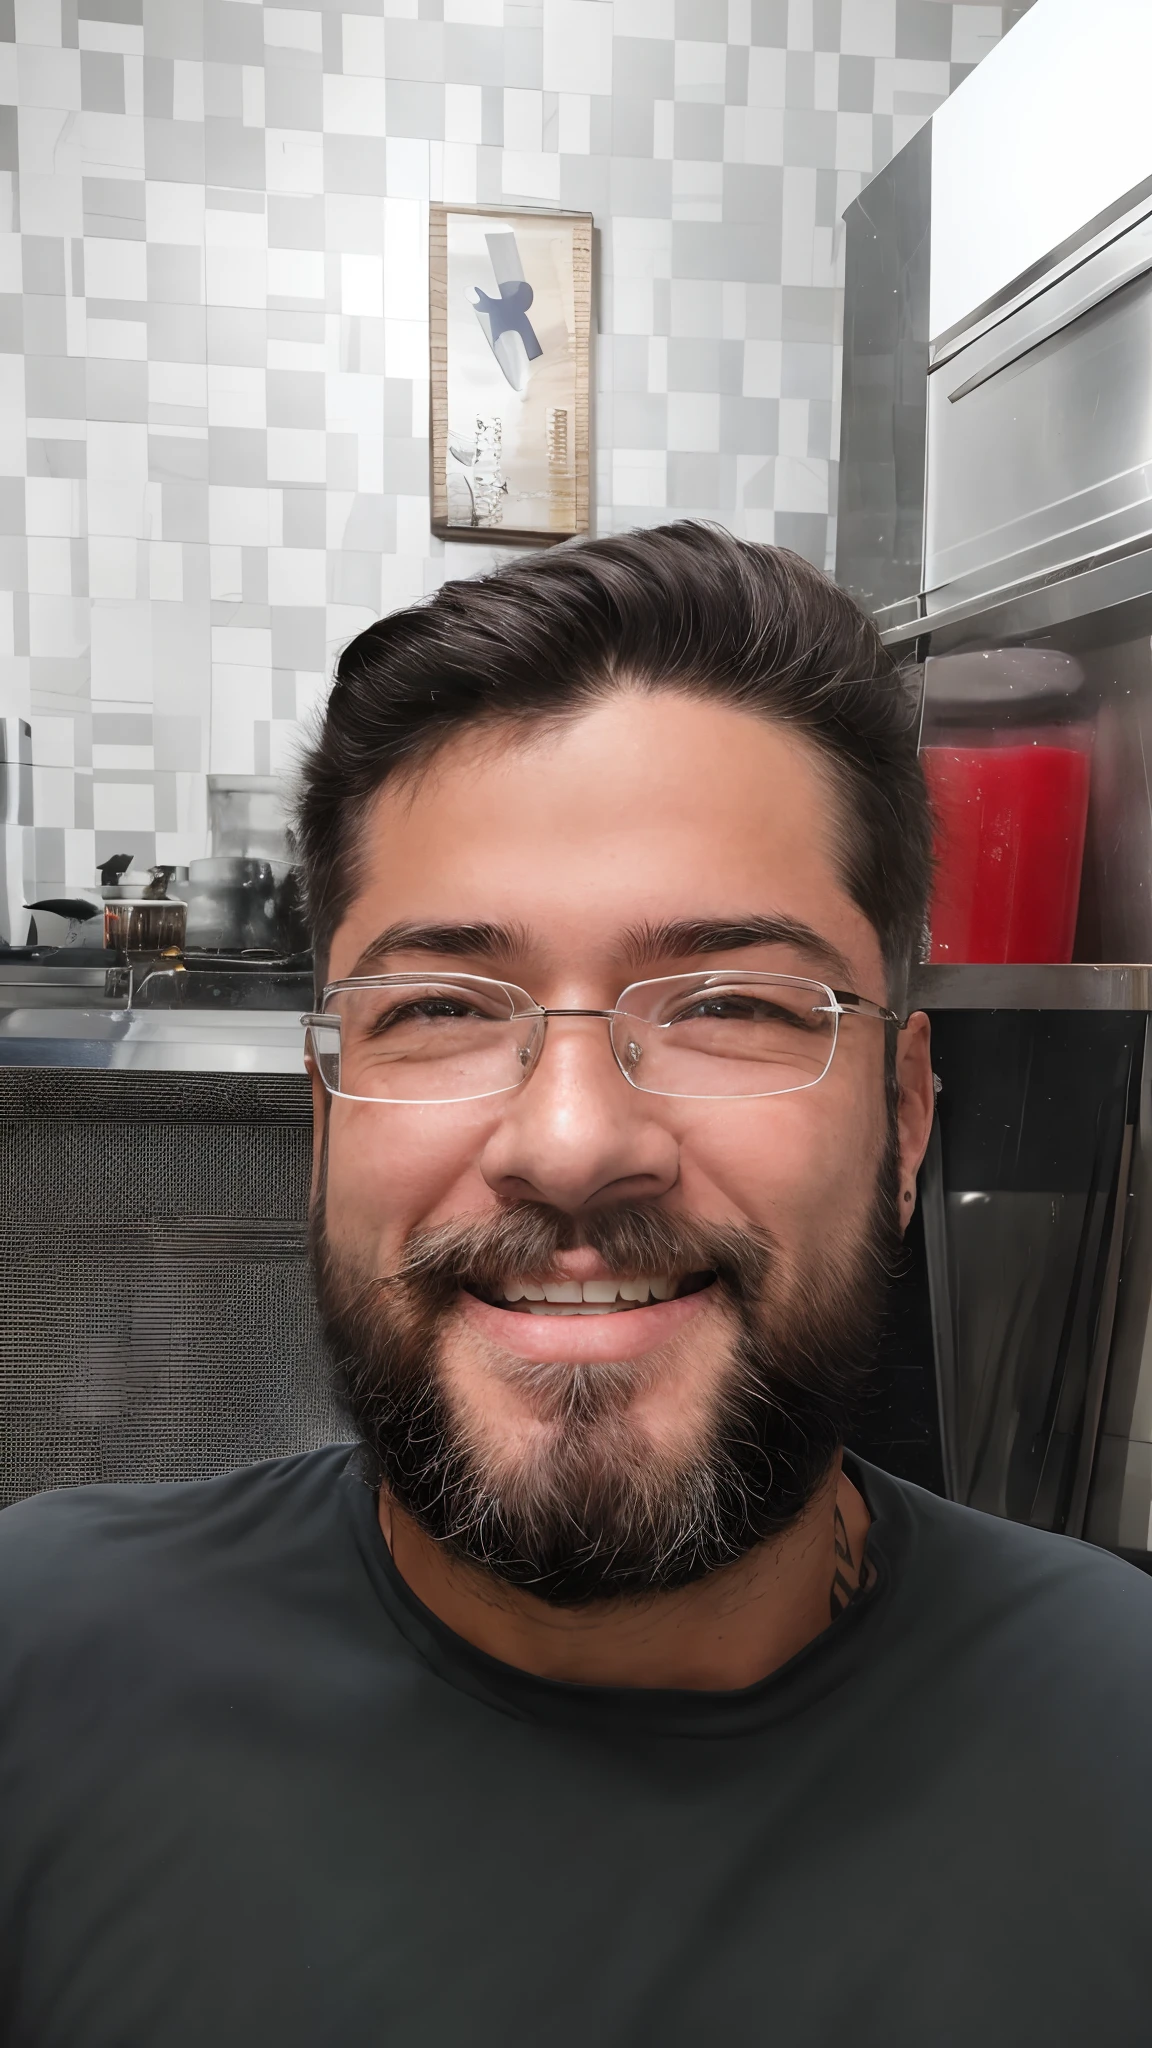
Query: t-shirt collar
[[821, 1667]]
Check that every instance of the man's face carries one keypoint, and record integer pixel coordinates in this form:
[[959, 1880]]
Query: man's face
[[572, 1451]]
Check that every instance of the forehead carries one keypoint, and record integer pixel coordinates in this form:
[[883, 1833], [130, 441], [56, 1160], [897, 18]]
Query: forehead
[[648, 807]]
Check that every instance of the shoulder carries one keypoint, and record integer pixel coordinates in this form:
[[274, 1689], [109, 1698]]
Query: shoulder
[[84, 1550], [1053, 1609]]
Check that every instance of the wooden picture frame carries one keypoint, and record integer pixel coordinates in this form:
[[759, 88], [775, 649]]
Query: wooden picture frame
[[510, 311]]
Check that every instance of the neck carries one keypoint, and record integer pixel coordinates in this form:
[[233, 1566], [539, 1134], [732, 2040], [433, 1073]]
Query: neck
[[728, 1630]]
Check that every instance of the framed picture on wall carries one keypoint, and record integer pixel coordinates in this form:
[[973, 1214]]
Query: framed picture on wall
[[511, 312]]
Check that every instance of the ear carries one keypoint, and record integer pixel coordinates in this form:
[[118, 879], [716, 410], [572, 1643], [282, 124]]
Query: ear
[[917, 1105]]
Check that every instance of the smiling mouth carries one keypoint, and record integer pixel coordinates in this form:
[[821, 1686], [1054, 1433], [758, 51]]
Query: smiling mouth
[[615, 1296]]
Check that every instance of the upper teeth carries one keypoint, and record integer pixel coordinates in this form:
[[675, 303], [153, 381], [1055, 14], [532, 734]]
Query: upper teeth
[[598, 1293]]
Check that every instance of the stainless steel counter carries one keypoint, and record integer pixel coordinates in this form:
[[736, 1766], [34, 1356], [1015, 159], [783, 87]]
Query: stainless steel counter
[[253, 1042], [89, 1017]]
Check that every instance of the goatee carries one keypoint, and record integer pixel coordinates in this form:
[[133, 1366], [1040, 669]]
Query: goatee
[[597, 1511]]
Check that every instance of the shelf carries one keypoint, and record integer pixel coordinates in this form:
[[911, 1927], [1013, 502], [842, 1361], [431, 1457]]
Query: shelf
[[1026, 987]]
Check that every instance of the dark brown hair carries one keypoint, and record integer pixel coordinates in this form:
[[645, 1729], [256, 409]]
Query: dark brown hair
[[683, 607]]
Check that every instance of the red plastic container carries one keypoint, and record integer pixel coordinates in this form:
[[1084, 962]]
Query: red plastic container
[[1009, 846]]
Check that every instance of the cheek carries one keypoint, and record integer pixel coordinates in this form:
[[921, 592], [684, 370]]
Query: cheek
[[393, 1170], [800, 1165]]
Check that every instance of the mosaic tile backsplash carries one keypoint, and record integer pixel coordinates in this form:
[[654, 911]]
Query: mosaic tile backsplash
[[213, 333]]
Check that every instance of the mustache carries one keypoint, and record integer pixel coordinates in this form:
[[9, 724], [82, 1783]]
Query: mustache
[[632, 1239]]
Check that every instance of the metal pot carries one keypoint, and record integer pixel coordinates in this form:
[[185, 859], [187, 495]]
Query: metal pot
[[139, 915], [147, 925], [238, 904]]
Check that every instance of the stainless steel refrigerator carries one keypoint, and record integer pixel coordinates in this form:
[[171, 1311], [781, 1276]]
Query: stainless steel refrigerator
[[995, 515]]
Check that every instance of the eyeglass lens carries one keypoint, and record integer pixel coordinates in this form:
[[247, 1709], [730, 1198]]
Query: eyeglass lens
[[441, 1041]]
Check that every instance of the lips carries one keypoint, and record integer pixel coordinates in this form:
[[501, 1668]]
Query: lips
[[614, 1294], [580, 1332]]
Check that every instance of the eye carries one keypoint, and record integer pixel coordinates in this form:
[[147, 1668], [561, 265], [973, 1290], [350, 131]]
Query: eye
[[729, 1007], [425, 1010]]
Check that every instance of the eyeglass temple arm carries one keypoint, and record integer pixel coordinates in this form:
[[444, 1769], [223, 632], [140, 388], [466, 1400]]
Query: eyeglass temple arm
[[863, 1006]]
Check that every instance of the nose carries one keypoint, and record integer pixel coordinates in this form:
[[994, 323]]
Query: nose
[[576, 1135]]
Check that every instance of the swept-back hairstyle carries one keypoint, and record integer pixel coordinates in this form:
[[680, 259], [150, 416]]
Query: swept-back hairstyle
[[683, 607]]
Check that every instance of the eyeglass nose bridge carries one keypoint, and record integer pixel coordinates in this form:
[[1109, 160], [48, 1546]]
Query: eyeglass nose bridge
[[530, 1054], [577, 1013]]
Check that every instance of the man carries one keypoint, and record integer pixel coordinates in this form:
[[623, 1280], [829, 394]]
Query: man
[[596, 1697]]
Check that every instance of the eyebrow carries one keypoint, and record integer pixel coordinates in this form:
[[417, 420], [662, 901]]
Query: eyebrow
[[684, 938], [491, 942], [645, 944]]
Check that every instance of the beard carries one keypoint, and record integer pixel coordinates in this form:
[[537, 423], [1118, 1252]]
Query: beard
[[595, 1510]]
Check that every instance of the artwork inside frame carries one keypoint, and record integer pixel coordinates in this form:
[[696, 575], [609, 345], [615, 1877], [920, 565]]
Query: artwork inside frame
[[510, 292]]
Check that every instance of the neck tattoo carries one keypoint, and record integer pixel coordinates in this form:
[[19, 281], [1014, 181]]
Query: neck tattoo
[[851, 1575]]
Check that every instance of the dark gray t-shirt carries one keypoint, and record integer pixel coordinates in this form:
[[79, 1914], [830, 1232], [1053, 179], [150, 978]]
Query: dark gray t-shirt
[[252, 1792]]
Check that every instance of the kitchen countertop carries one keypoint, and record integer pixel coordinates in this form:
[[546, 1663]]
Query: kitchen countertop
[[147, 1017]]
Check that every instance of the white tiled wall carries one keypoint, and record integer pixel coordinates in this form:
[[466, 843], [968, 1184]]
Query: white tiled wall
[[213, 342]]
